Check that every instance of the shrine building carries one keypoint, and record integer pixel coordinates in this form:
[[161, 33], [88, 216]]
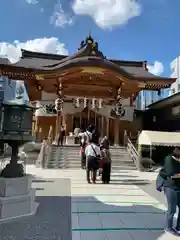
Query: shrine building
[[92, 89]]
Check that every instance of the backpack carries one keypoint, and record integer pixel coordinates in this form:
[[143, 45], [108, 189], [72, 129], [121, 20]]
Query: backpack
[[106, 157], [86, 139]]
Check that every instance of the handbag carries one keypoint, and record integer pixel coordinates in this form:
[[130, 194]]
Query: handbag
[[97, 156], [159, 182]]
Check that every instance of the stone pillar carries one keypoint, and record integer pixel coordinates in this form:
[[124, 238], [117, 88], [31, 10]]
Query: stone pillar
[[125, 137], [116, 132]]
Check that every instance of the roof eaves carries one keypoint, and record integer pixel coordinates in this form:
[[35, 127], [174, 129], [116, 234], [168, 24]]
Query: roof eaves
[[159, 103]]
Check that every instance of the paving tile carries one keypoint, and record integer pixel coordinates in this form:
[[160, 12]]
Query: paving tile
[[94, 235], [82, 207], [76, 236], [74, 207], [111, 220], [75, 220], [142, 235], [153, 220], [89, 221], [132, 220], [118, 235]]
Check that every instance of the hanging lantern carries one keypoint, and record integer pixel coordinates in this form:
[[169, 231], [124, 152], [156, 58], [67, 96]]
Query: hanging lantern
[[59, 89], [58, 104], [77, 103], [100, 103], [85, 102], [119, 109], [93, 103]]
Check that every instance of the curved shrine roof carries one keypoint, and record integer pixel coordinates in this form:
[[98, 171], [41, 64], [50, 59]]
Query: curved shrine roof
[[87, 55]]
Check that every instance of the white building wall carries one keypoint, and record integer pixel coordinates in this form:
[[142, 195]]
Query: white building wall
[[175, 69], [7, 88]]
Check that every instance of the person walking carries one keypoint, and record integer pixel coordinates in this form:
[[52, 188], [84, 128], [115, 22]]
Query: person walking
[[105, 161], [62, 134], [92, 153], [85, 139], [76, 135], [169, 181]]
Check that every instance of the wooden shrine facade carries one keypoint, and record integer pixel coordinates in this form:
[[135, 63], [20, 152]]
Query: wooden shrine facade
[[86, 74]]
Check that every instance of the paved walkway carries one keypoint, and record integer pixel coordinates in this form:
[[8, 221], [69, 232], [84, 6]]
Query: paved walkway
[[120, 210]]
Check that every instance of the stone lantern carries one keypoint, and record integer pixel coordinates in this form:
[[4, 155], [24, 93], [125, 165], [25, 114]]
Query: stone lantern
[[15, 130]]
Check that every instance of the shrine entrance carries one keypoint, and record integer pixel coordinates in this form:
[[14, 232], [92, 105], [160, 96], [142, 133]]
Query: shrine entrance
[[85, 118]]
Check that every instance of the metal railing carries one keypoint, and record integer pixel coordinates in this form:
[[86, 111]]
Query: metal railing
[[133, 153]]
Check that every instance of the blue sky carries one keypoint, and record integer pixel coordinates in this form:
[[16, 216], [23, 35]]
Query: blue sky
[[146, 30]]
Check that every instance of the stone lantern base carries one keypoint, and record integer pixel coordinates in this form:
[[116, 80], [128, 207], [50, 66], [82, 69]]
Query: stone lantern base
[[17, 198]]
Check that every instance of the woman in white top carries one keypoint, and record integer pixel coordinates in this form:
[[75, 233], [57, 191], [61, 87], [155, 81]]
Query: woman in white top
[[85, 138], [92, 153]]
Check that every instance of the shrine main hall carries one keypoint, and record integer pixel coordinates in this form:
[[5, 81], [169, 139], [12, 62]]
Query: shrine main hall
[[88, 88]]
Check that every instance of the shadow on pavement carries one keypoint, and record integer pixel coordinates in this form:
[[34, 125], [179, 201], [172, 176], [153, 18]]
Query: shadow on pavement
[[51, 222]]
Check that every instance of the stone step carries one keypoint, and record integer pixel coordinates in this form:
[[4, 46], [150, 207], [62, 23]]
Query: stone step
[[70, 158], [78, 165]]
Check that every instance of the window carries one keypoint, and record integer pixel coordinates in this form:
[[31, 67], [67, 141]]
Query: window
[[173, 91]]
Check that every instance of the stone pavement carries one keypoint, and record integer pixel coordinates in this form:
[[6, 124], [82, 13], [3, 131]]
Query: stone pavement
[[120, 210]]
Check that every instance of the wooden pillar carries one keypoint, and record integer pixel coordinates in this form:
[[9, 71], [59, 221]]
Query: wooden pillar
[[58, 124], [95, 116], [71, 127], [64, 122], [88, 116], [102, 126], [81, 120], [107, 127], [59, 106], [116, 132], [36, 128]]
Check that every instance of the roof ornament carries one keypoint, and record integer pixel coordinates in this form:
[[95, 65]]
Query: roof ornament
[[93, 46]]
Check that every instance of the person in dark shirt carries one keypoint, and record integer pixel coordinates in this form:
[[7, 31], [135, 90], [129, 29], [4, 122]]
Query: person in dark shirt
[[171, 186], [62, 134]]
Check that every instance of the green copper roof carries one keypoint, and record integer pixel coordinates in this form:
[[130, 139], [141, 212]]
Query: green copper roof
[[19, 102]]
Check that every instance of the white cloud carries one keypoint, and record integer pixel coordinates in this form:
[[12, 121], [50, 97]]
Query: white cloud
[[32, 1], [108, 13], [59, 17], [157, 68], [46, 45]]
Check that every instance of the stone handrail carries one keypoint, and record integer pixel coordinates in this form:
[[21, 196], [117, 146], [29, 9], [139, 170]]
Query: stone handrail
[[133, 153], [45, 154]]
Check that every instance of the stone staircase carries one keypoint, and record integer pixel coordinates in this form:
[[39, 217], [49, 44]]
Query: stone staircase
[[69, 157]]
